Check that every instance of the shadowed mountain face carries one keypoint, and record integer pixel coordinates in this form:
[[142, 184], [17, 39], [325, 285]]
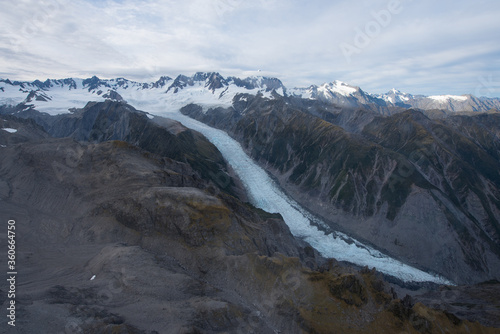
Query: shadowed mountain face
[[426, 191], [115, 238], [99, 122]]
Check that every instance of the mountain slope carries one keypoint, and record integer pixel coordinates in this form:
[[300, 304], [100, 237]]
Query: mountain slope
[[416, 188], [114, 239], [110, 120]]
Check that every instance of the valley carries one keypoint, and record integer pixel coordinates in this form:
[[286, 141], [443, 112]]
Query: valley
[[303, 188]]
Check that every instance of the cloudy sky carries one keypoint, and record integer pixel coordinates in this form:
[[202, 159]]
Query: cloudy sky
[[421, 47]]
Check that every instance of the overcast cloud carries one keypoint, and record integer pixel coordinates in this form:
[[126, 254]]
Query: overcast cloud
[[420, 47]]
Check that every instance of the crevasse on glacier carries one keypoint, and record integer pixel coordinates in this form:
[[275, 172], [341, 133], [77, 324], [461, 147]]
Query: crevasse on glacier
[[264, 193]]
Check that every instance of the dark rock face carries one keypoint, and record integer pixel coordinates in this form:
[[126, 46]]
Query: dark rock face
[[426, 191], [26, 130], [252, 83], [480, 302], [115, 239], [94, 83], [38, 96], [111, 120], [161, 82], [216, 81], [113, 95]]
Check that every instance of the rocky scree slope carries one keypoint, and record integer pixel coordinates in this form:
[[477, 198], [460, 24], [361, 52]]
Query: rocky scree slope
[[115, 238], [425, 191]]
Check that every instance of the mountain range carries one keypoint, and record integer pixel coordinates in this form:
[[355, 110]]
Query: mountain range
[[137, 214], [214, 89]]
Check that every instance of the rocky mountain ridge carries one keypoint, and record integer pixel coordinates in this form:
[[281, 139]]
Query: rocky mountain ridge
[[215, 89], [347, 96]]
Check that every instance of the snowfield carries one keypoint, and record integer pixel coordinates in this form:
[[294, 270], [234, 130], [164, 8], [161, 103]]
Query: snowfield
[[446, 98]]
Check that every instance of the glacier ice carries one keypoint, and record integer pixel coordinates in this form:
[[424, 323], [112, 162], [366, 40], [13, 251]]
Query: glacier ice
[[264, 193]]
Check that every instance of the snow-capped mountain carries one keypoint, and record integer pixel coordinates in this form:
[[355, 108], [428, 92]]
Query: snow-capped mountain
[[327, 91], [213, 90], [453, 103], [396, 97], [206, 89], [345, 96]]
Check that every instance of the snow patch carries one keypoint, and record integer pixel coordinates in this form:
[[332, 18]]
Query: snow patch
[[327, 90], [10, 130], [338, 87], [446, 98], [404, 98]]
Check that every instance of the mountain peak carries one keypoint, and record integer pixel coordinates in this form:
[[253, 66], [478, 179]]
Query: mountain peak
[[161, 82], [339, 87], [213, 87]]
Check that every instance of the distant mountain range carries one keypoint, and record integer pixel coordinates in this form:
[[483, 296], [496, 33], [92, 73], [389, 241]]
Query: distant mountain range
[[345, 95], [212, 89]]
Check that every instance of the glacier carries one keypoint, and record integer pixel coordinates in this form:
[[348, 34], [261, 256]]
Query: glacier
[[262, 191], [265, 194]]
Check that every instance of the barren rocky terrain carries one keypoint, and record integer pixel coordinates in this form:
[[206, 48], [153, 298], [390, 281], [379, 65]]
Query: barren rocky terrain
[[424, 190], [118, 235]]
